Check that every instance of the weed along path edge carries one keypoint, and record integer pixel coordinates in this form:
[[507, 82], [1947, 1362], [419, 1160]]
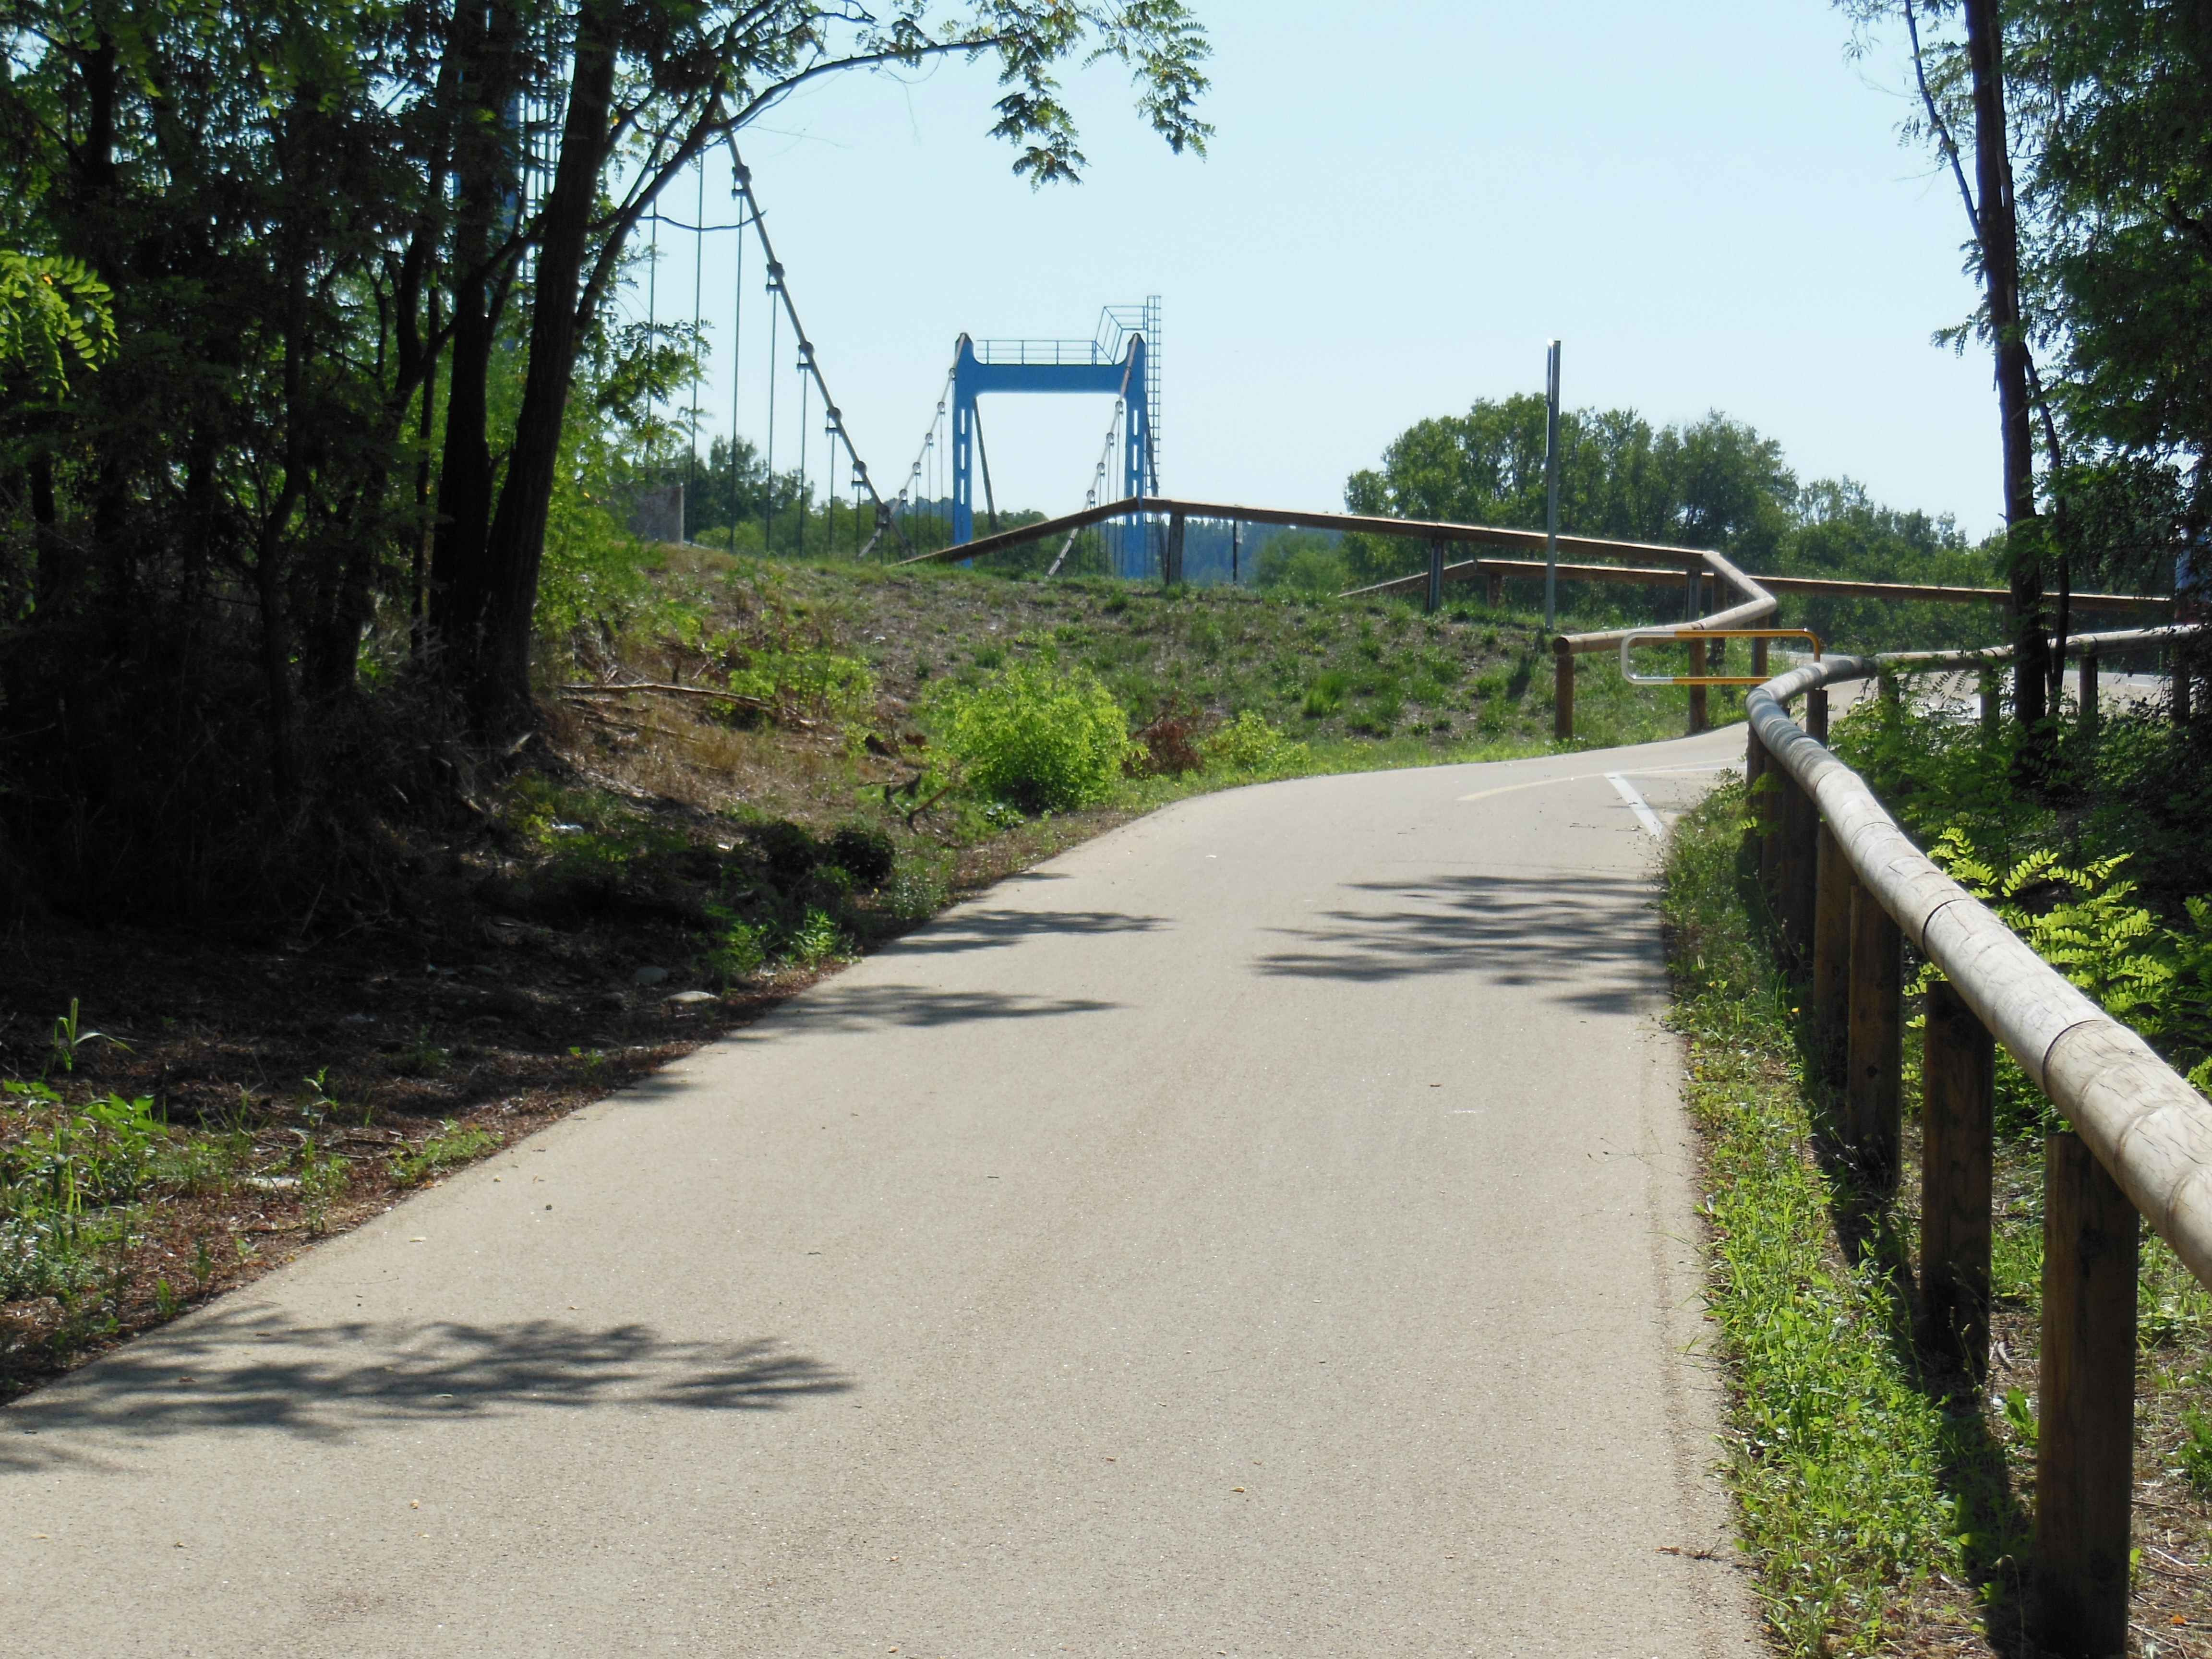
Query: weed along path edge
[[1266, 1228]]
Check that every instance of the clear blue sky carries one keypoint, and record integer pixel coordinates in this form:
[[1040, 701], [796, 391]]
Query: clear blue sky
[[1706, 201]]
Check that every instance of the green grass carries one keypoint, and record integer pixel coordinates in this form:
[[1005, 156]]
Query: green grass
[[1321, 668], [449, 1148], [1885, 1505], [1836, 1456]]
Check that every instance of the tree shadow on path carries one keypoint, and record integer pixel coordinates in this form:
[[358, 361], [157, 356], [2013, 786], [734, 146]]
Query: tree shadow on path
[[1589, 939], [253, 1370], [839, 1006], [989, 930]]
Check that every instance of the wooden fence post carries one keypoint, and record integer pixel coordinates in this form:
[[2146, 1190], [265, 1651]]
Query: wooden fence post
[[1432, 599], [1767, 810], [1698, 721], [1958, 1069], [1563, 689], [1755, 767], [1800, 873], [1758, 657], [1816, 714], [2085, 1436], [1992, 705], [1874, 1058], [1832, 954], [2086, 694], [1494, 589], [1171, 555]]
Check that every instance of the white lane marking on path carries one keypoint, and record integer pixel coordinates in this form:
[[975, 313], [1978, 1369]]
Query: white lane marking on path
[[1637, 804], [1583, 777]]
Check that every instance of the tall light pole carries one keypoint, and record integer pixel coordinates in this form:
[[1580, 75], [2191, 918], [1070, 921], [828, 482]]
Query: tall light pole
[[1552, 488]]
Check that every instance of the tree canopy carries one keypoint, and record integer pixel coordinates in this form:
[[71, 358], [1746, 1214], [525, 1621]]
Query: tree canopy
[[307, 339], [1712, 482]]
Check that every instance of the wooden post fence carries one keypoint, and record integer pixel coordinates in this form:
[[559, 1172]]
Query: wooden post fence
[[1874, 1067], [2085, 1435], [1800, 874], [2142, 1148], [1958, 1094], [1831, 955]]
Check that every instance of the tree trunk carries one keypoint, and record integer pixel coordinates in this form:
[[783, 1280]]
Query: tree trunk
[[2000, 244], [50, 580], [94, 236], [418, 617], [483, 177], [498, 683]]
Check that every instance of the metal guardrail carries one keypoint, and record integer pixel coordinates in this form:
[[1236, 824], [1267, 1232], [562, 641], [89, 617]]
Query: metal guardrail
[[1046, 353], [1762, 637], [1850, 889], [1756, 606]]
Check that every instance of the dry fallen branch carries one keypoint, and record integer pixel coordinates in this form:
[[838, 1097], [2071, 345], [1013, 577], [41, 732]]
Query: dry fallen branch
[[624, 688]]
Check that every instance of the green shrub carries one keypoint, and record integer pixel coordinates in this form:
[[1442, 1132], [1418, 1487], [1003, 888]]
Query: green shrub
[[2196, 1451], [818, 939], [1249, 744], [735, 950], [798, 677], [2083, 921], [1041, 740], [1303, 562], [67, 1185], [865, 854], [1326, 694], [451, 1146], [790, 853]]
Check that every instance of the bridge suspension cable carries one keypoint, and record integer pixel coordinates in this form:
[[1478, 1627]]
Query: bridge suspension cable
[[917, 477], [810, 366], [1097, 474]]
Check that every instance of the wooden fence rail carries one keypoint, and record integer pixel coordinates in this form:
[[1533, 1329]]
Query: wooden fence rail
[[2141, 1141], [1678, 561]]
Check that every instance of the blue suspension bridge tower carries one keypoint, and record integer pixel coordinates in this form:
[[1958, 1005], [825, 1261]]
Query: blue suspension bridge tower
[[1122, 360]]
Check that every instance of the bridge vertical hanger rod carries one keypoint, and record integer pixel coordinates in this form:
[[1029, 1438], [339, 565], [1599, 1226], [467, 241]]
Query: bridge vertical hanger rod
[[737, 344], [698, 296], [767, 455], [653, 315], [1551, 488]]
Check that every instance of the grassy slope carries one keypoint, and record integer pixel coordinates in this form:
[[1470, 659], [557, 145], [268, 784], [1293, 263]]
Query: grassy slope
[[302, 1080], [1886, 1506]]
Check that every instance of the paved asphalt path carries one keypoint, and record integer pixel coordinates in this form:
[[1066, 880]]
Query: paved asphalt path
[[1265, 1229]]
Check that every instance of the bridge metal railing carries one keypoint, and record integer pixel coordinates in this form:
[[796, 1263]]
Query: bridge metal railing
[[1849, 890]]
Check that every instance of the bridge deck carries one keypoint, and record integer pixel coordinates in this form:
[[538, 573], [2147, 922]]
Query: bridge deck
[[1268, 1229]]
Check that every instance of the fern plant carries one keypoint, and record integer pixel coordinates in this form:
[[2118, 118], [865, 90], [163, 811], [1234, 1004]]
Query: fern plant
[[2083, 921]]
